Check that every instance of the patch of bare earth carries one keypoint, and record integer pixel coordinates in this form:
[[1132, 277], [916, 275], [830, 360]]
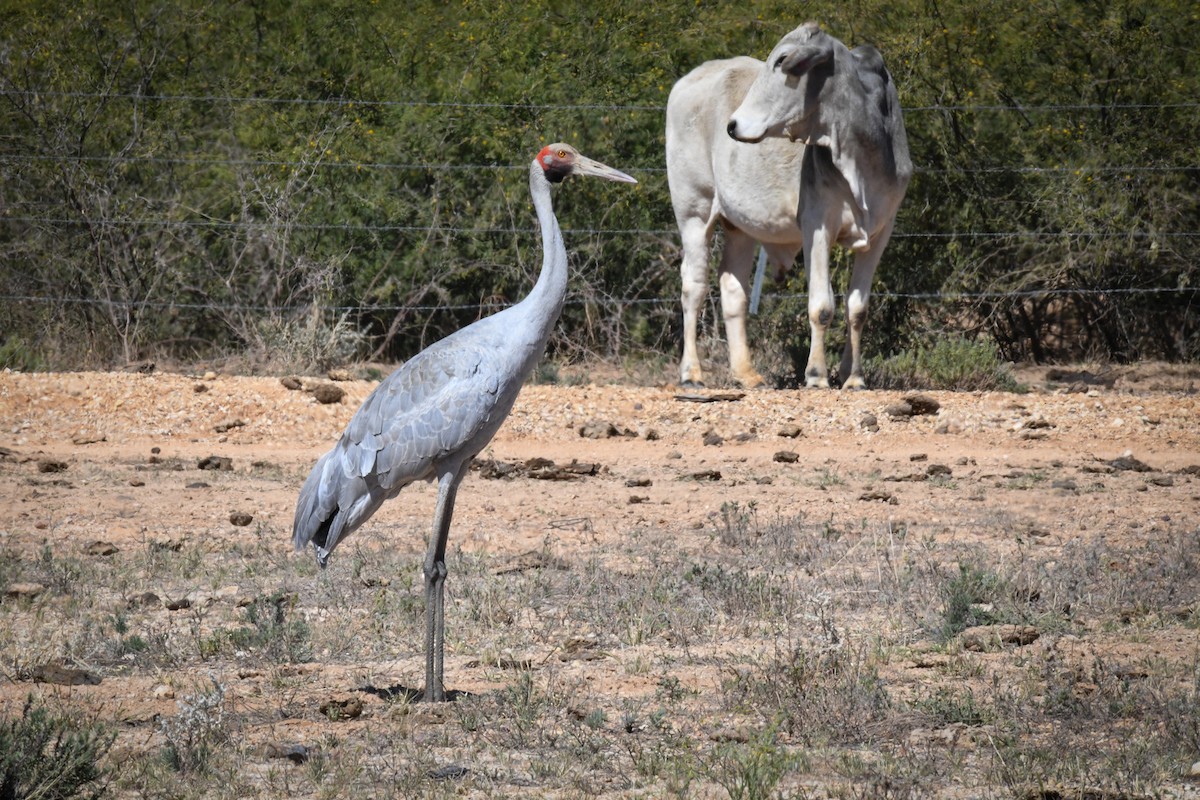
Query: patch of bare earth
[[808, 593]]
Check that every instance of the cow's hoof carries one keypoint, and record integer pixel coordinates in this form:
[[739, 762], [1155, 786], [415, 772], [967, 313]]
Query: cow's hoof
[[855, 384], [751, 382], [690, 384]]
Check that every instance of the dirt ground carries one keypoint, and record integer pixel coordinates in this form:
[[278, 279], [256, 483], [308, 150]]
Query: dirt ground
[[95, 465]]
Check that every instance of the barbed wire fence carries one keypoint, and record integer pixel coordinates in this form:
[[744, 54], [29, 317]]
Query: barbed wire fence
[[20, 217]]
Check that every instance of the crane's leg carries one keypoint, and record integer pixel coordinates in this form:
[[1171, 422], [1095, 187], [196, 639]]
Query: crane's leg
[[435, 584]]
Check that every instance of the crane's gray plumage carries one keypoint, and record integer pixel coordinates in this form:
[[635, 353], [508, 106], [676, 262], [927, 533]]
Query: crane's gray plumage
[[430, 417]]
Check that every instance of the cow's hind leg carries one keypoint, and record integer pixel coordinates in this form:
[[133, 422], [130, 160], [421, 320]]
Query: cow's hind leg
[[737, 259], [693, 272]]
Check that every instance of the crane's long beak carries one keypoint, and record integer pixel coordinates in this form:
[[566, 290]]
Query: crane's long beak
[[587, 166]]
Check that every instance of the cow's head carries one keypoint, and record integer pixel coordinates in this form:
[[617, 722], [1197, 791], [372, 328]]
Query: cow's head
[[787, 89]]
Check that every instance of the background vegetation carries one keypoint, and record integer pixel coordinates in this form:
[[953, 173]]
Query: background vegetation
[[304, 183]]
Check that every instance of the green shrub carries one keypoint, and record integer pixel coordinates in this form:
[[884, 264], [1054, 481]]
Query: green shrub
[[16, 353], [964, 599], [754, 769], [198, 731], [271, 632], [949, 362], [51, 757]]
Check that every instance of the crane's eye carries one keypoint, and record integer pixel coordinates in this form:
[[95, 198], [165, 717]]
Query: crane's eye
[[562, 153]]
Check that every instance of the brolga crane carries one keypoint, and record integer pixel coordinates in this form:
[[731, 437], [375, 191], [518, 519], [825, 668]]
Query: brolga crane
[[430, 417]]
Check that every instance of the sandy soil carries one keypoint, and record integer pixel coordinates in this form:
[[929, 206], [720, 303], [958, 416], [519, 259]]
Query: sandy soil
[[112, 458]]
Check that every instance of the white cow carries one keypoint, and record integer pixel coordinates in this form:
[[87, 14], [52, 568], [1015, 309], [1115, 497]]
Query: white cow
[[801, 152]]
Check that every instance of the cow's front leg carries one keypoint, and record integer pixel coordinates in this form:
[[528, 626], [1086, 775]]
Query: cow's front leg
[[737, 260]]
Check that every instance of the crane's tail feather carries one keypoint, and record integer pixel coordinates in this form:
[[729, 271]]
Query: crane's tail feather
[[322, 515]]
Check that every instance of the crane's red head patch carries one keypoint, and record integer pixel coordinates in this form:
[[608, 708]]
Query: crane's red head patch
[[556, 162]]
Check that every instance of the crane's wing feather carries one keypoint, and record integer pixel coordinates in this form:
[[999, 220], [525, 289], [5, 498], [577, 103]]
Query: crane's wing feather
[[436, 406]]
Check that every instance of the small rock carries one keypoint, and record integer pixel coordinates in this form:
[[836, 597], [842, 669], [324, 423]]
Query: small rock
[[177, 604], [986, 638], [918, 457], [869, 422], [340, 375], [650, 435], [449, 772], [1161, 480], [910, 477], [713, 439], [240, 519], [899, 410], [879, 494], [707, 475], [1127, 463], [1194, 772], [200, 388], [327, 393], [789, 431], [216, 463], [637, 483], [87, 438], [136, 482], [581, 648], [228, 425], [24, 591], [51, 465], [209, 376], [740, 734], [64, 676], [292, 382], [196, 485], [143, 599], [295, 753], [163, 692], [922, 404], [101, 549], [597, 429], [338, 709], [637, 499], [938, 471], [786, 457], [946, 426]]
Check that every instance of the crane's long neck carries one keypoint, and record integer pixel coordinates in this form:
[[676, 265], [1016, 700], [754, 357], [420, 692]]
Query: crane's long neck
[[545, 302]]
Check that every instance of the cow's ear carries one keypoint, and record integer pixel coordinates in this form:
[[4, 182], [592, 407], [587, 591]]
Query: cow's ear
[[816, 51]]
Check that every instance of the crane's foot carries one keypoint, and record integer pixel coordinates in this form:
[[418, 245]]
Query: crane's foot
[[447, 696]]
